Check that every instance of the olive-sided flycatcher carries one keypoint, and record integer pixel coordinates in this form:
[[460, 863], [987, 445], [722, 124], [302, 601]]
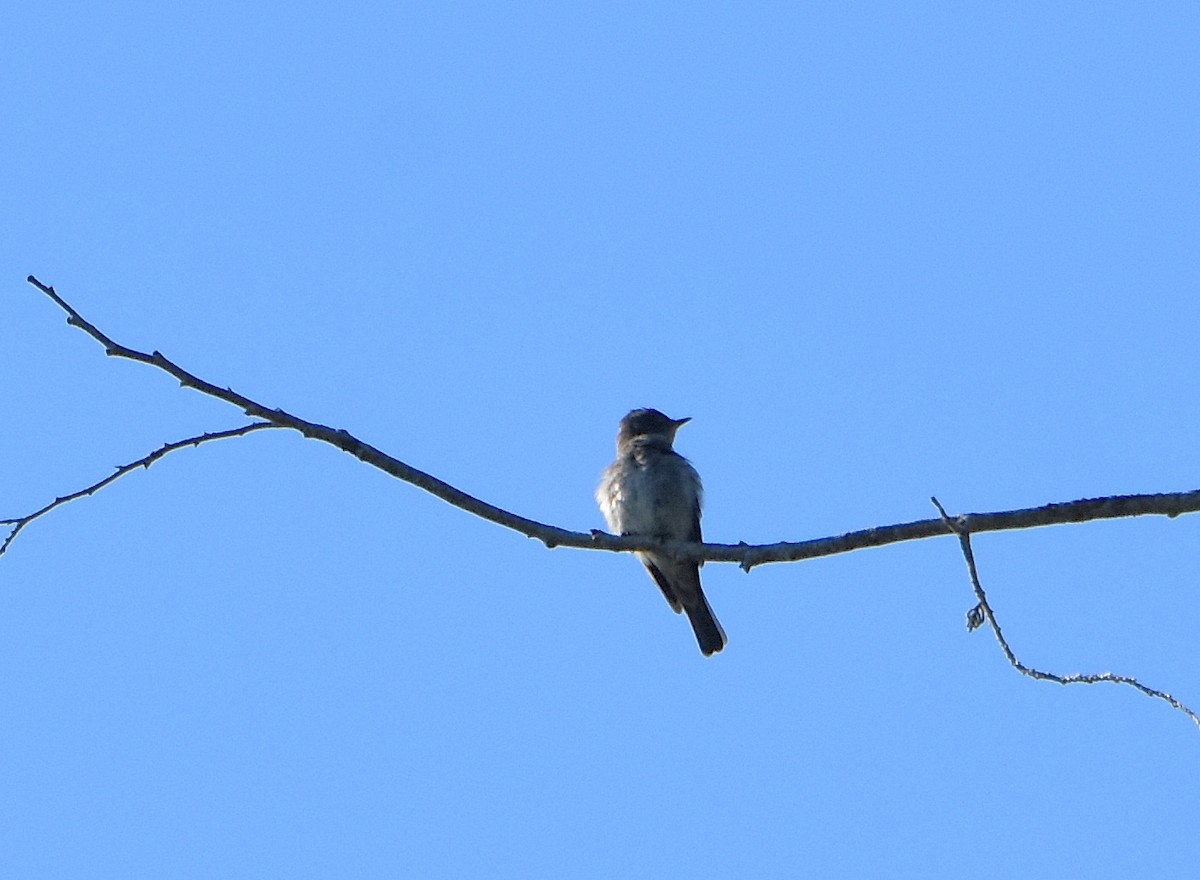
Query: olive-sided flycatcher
[[653, 491]]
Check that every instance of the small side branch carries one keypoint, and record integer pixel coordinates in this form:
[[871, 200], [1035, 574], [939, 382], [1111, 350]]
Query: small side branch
[[982, 613], [19, 523]]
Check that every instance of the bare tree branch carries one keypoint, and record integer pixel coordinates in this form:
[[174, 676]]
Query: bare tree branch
[[982, 613], [746, 555], [20, 522]]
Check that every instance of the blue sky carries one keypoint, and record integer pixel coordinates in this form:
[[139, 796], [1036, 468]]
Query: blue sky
[[876, 253]]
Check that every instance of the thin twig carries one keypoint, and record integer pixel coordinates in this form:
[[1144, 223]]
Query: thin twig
[[983, 611], [20, 522]]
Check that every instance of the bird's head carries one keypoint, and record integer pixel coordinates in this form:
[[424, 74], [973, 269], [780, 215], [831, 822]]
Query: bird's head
[[649, 423]]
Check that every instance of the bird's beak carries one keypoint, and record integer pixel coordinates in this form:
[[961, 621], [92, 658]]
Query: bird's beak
[[679, 423]]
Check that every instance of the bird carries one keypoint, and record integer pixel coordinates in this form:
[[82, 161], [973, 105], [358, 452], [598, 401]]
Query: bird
[[652, 491]]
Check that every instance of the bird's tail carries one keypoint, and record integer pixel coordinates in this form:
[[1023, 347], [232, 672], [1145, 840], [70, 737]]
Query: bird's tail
[[708, 631]]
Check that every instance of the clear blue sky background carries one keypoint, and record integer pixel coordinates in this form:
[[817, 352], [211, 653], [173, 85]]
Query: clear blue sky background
[[876, 252]]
